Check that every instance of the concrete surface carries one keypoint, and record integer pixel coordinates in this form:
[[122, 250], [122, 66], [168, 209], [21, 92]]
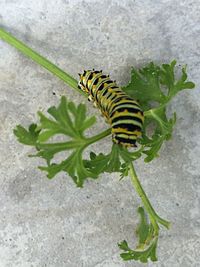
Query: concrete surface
[[53, 223]]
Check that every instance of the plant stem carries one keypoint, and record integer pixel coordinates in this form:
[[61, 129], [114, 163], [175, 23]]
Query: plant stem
[[154, 218], [10, 39], [98, 137], [152, 111]]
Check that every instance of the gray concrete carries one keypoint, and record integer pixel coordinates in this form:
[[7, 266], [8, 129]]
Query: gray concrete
[[53, 223]]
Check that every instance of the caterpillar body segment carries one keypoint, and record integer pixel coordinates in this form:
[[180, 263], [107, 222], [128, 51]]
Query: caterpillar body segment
[[123, 113]]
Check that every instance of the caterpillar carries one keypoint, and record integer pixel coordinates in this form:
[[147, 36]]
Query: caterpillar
[[123, 113]]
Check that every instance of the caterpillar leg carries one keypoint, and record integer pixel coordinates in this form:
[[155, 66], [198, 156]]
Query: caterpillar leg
[[95, 104], [89, 98]]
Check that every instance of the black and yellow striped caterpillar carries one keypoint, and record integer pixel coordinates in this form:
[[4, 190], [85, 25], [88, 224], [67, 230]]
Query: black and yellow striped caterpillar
[[121, 111]]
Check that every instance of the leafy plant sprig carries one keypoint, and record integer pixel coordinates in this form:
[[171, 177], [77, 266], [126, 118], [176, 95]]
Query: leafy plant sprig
[[151, 84]]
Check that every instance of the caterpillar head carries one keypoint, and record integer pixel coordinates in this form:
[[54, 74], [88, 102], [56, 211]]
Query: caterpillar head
[[82, 82], [86, 78]]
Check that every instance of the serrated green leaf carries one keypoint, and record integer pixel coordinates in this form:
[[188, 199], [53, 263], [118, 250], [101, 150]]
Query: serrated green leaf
[[157, 84], [147, 83], [149, 252], [70, 121], [124, 246], [147, 243], [104, 163], [168, 79], [73, 165], [116, 161], [143, 228], [144, 85], [167, 76], [87, 124], [162, 132], [124, 170], [27, 137]]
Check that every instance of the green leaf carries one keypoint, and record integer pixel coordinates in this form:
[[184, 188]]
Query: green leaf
[[155, 83], [154, 86], [116, 161], [147, 243], [145, 86], [70, 121], [66, 120], [73, 165], [124, 170], [143, 227], [27, 137], [104, 163], [168, 79], [162, 132]]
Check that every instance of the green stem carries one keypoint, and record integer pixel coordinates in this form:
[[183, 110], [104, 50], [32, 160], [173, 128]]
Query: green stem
[[154, 218], [98, 137], [10, 39], [150, 112]]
